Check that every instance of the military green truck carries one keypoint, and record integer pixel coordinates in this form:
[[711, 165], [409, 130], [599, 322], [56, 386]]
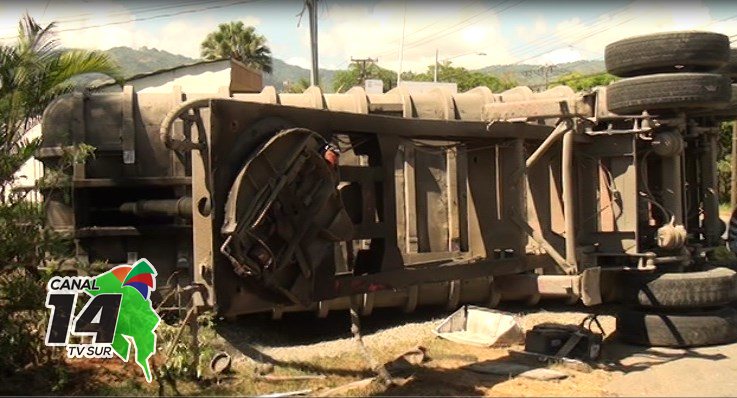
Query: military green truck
[[276, 202]]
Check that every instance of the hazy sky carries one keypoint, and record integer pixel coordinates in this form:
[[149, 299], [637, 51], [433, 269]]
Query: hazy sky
[[507, 31]]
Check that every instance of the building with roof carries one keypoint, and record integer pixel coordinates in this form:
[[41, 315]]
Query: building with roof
[[205, 77]]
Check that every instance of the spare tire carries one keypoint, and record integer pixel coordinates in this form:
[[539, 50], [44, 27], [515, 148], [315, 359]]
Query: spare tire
[[711, 288], [669, 91], [666, 53], [690, 329]]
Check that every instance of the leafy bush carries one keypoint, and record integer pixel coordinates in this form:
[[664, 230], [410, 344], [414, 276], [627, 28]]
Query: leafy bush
[[33, 72]]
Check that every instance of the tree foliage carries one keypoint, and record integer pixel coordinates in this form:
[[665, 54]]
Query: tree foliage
[[464, 78], [724, 162], [298, 87], [345, 79], [579, 82], [238, 41], [33, 72]]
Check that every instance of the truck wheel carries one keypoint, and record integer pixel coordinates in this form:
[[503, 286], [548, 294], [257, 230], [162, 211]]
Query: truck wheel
[[725, 112], [714, 287], [669, 91], [667, 52], [730, 69], [732, 232], [678, 329]]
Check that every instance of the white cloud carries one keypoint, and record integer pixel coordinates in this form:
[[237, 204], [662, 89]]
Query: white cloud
[[532, 32], [298, 61], [458, 30], [559, 56], [576, 39], [358, 30], [175, 36]]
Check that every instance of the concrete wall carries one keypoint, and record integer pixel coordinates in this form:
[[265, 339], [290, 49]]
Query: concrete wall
[[201, 78]]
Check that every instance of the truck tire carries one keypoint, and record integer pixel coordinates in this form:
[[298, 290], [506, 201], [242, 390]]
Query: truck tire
[[710, 288], [730, 69], [732, 232], [690, 329], [667, 53], [669, 91], [725, 112]]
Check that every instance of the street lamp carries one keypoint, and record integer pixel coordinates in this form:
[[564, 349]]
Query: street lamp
[[437, 64]]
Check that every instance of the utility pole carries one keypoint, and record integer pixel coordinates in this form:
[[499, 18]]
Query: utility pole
[[362, 63], [314, 68], [401, 45], [545, 71], [435, 77]]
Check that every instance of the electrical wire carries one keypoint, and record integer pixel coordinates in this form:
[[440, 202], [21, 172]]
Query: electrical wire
[[451, 29], [150, 17], [557, 38], [130, 10]]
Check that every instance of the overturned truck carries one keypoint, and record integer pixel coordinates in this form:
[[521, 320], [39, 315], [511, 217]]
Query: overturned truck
[[294, 202]]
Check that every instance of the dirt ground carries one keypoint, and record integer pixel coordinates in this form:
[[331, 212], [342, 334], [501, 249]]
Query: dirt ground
[[623, 370], [303, 345]]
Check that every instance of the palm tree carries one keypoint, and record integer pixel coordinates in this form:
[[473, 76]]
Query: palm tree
[[33, 72], [237, 41]]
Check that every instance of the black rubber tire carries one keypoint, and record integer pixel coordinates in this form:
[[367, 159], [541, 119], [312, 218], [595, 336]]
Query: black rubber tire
[[667, 53], [710, 288], [690, 329], [730, 69], [668, 92], [732, 232], [725, 112]]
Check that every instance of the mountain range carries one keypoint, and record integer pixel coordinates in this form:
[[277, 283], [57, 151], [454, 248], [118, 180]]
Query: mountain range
[[144, 60]]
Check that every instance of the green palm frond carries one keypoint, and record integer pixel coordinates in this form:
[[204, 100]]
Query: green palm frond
[[240, 42], [33, 72]]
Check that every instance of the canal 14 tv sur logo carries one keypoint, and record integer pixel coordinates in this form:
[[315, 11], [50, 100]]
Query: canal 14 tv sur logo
[[118, 316]]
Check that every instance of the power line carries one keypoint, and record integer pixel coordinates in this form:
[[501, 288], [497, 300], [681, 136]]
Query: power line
[[535, 45], [445, 31], [434, 23], [149, 18], [579, 39], [137, 10], [362, 64]]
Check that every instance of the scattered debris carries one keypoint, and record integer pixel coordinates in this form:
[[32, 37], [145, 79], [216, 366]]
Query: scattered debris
[[290, 378], [510, 369], [380, 370], [569, 341], [498, 368], [345, 388], [286, 394], [481, 327], [573, 364], [262, 368], [543, 374], [220, 363], [408, 360], [456, 357]]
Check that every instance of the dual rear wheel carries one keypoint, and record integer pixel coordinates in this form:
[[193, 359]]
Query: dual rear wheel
[[665, 74], [679, 309], [671, 72]]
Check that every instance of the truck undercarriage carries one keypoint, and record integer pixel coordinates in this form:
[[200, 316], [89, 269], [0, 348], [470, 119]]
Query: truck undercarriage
[[293, 202]]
